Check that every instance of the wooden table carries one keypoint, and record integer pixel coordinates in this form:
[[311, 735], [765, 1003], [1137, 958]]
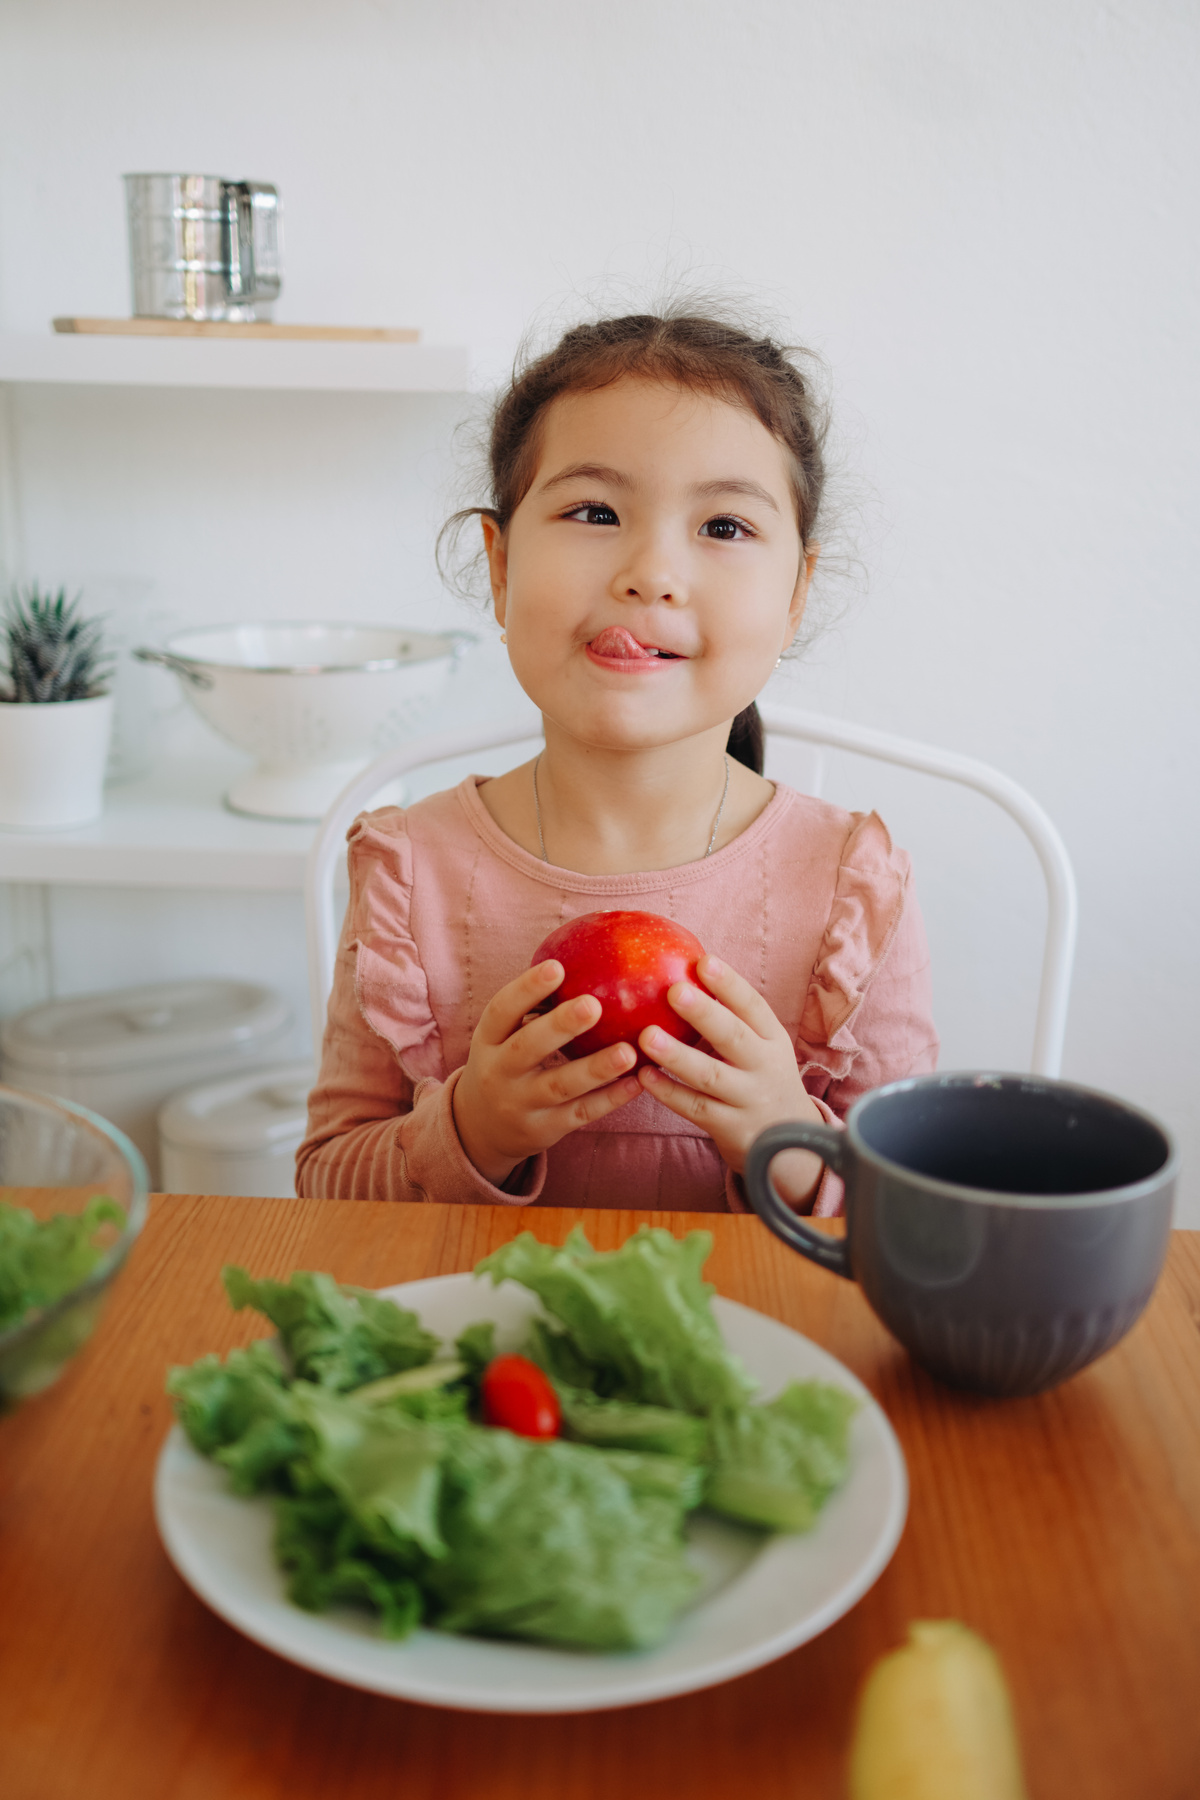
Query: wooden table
[[1065, 1528]]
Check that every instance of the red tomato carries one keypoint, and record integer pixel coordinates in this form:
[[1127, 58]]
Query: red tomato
[[518, 1397], [628, 960]]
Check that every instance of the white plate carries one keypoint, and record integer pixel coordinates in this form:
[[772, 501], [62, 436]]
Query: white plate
[[762, 1596]]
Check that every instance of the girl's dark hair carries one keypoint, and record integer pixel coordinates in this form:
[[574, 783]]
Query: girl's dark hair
[[682, 349], [745, 741]]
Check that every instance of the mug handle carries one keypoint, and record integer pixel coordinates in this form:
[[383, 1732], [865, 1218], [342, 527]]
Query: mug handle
[[239, 242], [830, 1146]]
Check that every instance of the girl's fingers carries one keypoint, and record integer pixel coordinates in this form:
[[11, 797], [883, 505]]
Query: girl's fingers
[[733, 1017], [505, 1010], [703, 1109], [733, 1040], [543, 1036], [569, 1081], [735, 992], [729, 1036], [701, 1072], [601, 1101]]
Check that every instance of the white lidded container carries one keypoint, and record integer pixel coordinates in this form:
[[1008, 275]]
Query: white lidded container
[[122, 1053], [238, 1136]]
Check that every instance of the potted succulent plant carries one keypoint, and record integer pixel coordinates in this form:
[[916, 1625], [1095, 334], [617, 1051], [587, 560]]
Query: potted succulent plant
[[55, 713]]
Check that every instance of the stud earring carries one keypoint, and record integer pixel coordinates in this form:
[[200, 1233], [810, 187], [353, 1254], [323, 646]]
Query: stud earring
[[778, 660], [504, 637]]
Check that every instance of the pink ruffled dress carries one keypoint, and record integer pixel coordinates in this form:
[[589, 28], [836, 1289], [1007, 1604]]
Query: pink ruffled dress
[[812, 904]]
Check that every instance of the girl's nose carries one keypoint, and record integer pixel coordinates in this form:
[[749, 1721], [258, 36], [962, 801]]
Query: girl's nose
[[651, 574]]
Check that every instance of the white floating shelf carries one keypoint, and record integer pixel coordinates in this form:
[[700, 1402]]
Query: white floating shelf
[[207, 363], [170, 829]]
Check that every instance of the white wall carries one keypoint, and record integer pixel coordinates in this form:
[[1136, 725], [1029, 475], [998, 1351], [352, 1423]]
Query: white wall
[[982, 216]]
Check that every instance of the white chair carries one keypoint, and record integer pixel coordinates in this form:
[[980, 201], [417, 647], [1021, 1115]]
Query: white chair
[[809, 728]]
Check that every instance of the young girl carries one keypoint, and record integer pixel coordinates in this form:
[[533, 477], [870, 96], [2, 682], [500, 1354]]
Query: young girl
[[652, 535]]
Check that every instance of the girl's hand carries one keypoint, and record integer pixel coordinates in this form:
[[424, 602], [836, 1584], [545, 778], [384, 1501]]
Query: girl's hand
[[755, 1085], [507, 1105]]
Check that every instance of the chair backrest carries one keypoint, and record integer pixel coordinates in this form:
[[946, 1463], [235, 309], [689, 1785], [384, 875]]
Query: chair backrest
[[809, 728]]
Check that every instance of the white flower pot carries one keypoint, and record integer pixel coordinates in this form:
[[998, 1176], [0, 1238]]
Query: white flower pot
[[52, 759]]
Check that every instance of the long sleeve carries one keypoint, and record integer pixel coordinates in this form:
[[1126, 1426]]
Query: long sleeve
[[894, 1033], [376, 1129], [894, 1036], [868, 1016]]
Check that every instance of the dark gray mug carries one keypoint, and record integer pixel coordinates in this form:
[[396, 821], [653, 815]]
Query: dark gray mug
[[1008, 1229]]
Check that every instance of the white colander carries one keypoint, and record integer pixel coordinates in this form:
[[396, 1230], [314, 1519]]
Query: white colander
[[312, 703]]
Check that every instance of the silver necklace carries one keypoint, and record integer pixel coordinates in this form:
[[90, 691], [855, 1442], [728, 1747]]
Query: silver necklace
[[537, 807]]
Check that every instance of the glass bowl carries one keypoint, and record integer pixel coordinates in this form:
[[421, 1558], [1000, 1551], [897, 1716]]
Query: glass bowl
[[54, 1158]]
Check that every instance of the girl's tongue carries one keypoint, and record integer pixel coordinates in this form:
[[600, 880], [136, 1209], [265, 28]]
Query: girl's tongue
[[614, 641]]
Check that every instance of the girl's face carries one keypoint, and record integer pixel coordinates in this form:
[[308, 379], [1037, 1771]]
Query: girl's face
[[654, 572]]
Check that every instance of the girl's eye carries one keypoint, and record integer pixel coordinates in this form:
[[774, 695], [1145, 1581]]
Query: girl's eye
[[593, 512], [725, 529]]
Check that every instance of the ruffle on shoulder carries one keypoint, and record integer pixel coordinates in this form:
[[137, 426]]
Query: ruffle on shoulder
[[867, 906], [389, 981]]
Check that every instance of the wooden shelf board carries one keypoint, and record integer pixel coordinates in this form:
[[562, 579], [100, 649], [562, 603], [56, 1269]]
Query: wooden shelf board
[[260, 332]]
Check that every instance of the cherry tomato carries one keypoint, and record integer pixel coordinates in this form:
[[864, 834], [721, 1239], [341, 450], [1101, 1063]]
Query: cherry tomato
[[518, 1397]]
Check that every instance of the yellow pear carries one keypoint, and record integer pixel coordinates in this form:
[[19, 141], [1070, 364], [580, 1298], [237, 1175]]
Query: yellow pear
[[935, 1722]]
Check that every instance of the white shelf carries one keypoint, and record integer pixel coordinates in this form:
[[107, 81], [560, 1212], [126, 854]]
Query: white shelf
[[216, 363], [170, 829]]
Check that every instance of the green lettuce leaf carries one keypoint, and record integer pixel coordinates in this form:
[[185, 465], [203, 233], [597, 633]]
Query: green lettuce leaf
[[639, 1319], [476, 1346], [383, 1465], [558, 1542], [435, 1390], [650, 1475], [43, 1259], [434, 1406], [338, 1337], [776, 1465], [617, 1425], [240, 1412], [328, 1558], [554, 1352]]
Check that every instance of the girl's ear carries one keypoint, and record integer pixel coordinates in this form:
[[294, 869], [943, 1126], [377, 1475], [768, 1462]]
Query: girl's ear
[[808, 563], [497, 555]]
